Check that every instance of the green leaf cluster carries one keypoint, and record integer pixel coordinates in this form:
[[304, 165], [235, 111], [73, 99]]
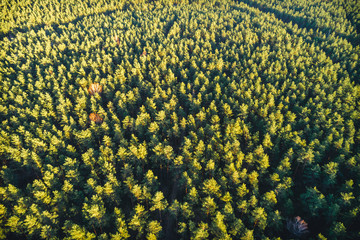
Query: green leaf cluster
[[221, 120]]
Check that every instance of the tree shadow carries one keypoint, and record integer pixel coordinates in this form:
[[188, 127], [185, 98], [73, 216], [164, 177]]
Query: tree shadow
[[21, 176]]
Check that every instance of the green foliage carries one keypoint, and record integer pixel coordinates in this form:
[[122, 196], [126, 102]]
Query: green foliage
[[215, 119]]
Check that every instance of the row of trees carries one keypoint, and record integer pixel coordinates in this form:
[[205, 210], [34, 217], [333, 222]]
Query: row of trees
[[22, 16], [218, 121], [326, 32], [339, 17]]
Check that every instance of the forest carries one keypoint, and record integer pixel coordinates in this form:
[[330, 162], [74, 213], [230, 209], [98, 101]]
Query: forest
[[180, 119]]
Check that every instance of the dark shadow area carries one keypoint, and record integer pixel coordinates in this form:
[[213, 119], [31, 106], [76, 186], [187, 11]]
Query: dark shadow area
[[20, 176], [170, 225]]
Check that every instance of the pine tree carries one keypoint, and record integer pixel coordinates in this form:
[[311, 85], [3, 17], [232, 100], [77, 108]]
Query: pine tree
[[159, 203]]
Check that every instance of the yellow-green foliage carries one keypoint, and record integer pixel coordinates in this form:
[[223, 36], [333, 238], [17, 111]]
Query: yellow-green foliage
[[178, 120]]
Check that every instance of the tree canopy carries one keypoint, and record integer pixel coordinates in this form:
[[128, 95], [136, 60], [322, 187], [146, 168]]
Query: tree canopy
[[179, 119]]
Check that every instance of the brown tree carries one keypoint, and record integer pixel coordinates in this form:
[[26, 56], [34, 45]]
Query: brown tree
[[95, 88], [297, 226], [94, 117]]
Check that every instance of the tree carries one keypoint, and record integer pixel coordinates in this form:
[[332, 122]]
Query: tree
[[297, 226], [259, 217], [269, 200], [211, 187], [338, 230], [154, 228], [201, 232], [159, 203], [313, 200], [248, 235], [330, 171], [121, 228], [95, 88], [209, 206], [94, 212], [247, 114], [138, 220], [218, 227], [32, 224], [74, 231]]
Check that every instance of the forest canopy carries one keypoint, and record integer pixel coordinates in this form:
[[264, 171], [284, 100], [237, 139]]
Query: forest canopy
[[216, 119]]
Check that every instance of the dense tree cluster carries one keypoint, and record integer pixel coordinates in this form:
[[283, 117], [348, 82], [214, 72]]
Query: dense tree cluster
[[201, 120], [24, 14], [337, 16]]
